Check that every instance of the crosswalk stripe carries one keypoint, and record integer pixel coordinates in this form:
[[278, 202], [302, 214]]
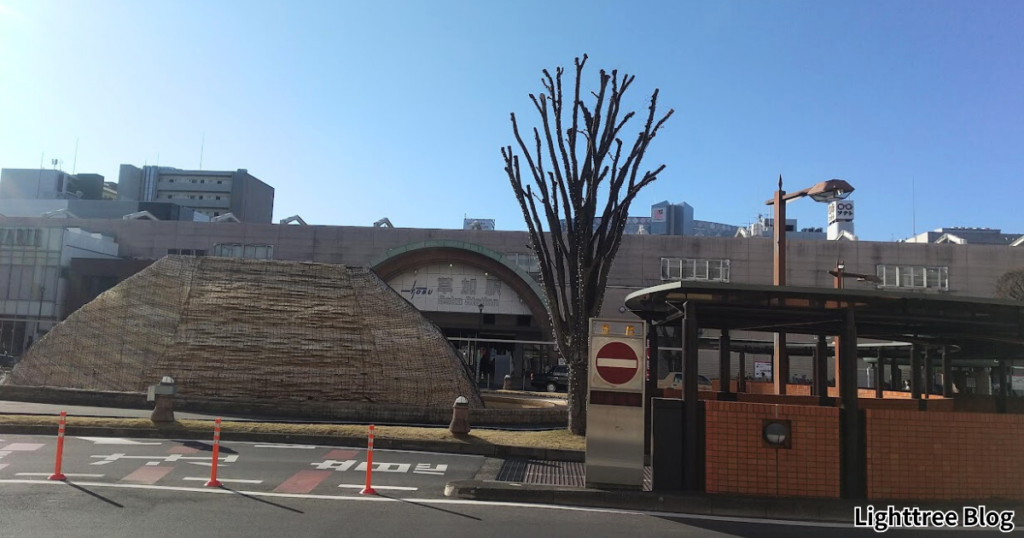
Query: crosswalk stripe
[[360, 486], [236, 480]]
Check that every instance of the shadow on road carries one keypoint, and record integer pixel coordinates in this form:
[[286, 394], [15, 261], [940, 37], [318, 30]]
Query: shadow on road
[[264, 501], [94, 494], [205, 447], [430, 507]]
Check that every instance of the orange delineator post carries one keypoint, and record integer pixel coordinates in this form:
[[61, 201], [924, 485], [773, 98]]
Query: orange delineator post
[[368, 488], [57, 474], [213, 482]]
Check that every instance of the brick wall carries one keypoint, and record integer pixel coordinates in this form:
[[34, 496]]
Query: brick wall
[[786, 399], [904, 404], [739, 462], [918, 455]]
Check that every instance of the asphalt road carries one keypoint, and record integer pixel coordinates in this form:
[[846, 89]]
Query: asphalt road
[[85, 510], [290, 469], [126, 488]]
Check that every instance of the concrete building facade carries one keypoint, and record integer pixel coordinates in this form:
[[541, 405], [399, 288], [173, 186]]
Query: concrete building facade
[[481, 287], [42, 184], [212, 193], [34, 270]]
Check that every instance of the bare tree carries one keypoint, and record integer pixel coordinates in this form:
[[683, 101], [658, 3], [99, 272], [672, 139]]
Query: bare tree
[[583, 189], [1011, 285]]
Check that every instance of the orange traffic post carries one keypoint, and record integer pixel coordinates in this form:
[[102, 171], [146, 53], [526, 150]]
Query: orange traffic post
[[368, 489], [57, 474], [213, 482]]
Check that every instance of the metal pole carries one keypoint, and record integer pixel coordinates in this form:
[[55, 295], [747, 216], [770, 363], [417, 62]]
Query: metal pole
[[853, 474], [947, 374], [895, 376], [915, 372], [1004, 391], [741, 375], [928, 375], [724, 359], [820, 381], [691, 431], [651, 384], [837, 283], [780, 368], [880, 375]]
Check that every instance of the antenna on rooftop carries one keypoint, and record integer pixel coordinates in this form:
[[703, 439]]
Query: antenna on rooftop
[[913, 205], [201, 147], [74, 166]]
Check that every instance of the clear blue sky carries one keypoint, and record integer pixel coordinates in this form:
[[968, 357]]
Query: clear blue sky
[[355, 111]]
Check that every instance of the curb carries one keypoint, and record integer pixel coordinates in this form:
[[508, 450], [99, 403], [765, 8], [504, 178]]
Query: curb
[[445, 447], [790, 509], [697, 504]]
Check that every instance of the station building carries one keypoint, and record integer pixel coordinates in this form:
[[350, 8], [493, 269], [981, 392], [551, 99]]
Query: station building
[[481, 285]]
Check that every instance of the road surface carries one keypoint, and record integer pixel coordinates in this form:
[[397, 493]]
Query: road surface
[[155, 488]]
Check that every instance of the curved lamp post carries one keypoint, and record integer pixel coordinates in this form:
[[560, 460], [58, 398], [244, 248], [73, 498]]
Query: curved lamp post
[[824, 192]]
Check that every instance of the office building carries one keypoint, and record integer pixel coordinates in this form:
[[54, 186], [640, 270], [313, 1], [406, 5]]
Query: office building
[[211, 193]]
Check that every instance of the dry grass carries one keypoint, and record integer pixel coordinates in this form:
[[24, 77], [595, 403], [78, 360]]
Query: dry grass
[[555, 439]]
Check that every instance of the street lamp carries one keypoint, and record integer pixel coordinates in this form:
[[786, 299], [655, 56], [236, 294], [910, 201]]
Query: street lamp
[[826, 191], [476, 346]]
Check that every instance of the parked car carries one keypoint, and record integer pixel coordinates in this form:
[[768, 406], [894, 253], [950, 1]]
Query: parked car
[[7, 361], [674, 381], [556, 379]]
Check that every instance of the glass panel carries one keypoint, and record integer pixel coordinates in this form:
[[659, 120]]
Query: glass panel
[[5, 276], [918, 276], [725, 270], [944, 278], [932, 277], [702, 270], [250, 251], [14, 292], [714, 269], [688, 269], [664, 269]]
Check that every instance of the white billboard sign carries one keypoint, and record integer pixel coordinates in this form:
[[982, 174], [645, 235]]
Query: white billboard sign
[[457, 288], [840, 211]]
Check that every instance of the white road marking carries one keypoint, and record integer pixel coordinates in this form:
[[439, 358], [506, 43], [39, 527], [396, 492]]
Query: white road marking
[[26, 447], [463, 502], [237, 480], [117, 441], [397, 488], [306, 447], [72, 475], [609, 362], [156, 460]]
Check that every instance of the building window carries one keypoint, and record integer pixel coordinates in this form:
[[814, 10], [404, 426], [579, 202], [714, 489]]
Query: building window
[[238, 250], [218, 197], [526, 262], [218, 182], [186, 252], [913, 276], [216, 213], [695, 269]]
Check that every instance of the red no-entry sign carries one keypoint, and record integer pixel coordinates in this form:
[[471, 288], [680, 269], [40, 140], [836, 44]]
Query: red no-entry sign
[[617, 363]]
